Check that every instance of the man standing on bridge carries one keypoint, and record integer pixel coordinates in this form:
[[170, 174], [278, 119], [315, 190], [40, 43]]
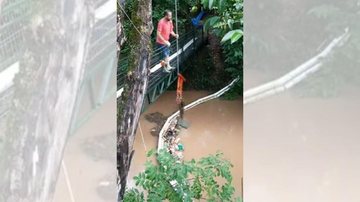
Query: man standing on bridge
[[165, 28]]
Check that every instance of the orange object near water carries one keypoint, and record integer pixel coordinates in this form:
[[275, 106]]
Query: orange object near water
[[179, 90]]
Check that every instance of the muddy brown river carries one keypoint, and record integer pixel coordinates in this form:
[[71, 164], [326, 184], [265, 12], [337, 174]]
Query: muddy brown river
[[215, 126]]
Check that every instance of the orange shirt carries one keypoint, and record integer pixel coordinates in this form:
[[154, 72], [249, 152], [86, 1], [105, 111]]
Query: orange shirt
[[165, 27]]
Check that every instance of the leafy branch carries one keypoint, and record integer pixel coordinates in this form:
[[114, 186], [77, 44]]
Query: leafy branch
[[183, 181]]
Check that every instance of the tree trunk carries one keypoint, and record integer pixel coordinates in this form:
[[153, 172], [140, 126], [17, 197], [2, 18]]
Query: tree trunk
[[130, 103], [216, 53], [45, 91]]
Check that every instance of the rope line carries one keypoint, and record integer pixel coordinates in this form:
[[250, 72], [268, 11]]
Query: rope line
[[67, 179], [142, 137], [177, 39]]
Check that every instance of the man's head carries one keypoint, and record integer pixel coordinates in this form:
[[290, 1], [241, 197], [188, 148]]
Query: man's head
[[168, 15]]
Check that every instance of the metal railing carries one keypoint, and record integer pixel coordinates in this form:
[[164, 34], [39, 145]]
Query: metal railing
[[97, 85], [13, 15], [156, 55], [159, 81]]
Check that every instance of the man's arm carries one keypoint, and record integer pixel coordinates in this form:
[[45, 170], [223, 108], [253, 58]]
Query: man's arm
[[174, 35], [160, 36], [172, 31]]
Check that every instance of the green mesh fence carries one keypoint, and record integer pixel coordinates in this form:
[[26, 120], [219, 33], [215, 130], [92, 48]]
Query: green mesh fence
[[14, 15]]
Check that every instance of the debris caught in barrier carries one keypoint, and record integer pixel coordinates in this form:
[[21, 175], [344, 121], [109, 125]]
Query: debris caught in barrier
[[172, 141]]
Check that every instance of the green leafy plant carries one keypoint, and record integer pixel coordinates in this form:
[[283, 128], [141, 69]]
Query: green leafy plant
[[227, 21], [227, 24], [233, 35], [183, 181]]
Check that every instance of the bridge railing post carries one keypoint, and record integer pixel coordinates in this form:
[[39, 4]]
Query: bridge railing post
[[202, 35], [194, 36]]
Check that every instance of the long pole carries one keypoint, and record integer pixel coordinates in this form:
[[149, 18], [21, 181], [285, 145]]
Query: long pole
[[177, 39]]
